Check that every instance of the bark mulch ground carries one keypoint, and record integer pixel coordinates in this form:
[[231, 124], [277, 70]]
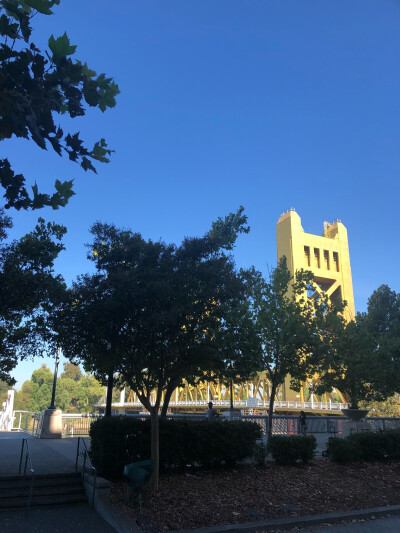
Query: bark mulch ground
[[250, 493]]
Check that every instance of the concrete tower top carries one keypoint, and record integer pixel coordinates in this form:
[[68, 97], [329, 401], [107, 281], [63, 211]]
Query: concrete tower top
[[326, 255]]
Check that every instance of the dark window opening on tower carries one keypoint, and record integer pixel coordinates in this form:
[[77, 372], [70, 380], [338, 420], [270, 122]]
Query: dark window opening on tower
[[326, 259], [336, 261], [316, 258], [307, 255]]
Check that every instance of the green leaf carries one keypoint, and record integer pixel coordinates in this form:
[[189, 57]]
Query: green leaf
[[61, 47], [100, 151], [42, 6], [7, 29], [108, 91], [86, 71]]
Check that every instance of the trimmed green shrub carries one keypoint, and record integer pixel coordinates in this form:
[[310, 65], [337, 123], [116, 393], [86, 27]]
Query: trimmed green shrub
[[118, 440], [260, 454], [380, 446], [287, 450], [342, 450]]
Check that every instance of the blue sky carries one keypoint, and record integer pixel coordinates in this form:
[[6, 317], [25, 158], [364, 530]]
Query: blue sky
[[262, 103]]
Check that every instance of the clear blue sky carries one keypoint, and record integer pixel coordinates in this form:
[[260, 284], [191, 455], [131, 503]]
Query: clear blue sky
[[261, 103]]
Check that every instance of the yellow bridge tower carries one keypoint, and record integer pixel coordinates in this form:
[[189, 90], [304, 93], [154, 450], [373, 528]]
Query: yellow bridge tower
[[327, 256]]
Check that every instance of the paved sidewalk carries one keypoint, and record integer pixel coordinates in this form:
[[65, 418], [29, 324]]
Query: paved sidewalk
[[380, 525], [50, 456], [78, 518]]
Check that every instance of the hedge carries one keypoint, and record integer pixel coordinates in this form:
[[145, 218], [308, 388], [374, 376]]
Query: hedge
[[380, 446], [119, 440], [287, 450]]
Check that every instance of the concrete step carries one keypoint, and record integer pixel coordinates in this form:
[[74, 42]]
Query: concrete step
[[37, 501], [40, 481], [17, 492], [46, 490]]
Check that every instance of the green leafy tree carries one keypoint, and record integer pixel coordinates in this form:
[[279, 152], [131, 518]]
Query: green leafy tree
[[387, 408], [288, 325], [72, 371], [346, 365], [362, 357], [87, 394], [72, 395], [38, 86], [89, 326], [149, 315], [235, 342], [30, 291], [42, 375]]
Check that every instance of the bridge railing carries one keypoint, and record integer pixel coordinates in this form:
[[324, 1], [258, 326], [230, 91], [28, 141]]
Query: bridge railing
[[77, 425], [26, 422], [242, 404], [332, 425]]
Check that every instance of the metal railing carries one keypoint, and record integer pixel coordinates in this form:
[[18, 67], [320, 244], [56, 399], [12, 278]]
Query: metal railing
[[6, 413], [243, 404], [77, 425], [25, 448], [85, 455], [332, 425], [26, 422], [289, 424]]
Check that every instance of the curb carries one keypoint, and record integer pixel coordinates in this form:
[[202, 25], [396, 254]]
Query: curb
[[303, 521], [116, 518]]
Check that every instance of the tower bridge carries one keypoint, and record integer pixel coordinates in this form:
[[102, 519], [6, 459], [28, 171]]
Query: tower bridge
[[327, 256]]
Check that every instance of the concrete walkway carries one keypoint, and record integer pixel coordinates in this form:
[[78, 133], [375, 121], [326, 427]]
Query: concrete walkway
[[50, 456], [57, 519], [58, 456]]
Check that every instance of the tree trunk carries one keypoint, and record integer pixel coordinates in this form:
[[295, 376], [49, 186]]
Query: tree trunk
[[167, 398], [271, 408], [155, 447], [110, 383]]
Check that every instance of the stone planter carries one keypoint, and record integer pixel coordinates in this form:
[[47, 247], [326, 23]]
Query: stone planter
[[355, 414]]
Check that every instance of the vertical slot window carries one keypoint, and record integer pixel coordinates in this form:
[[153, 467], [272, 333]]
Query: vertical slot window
[[336, 261], [316, 258], [326, 259], [307, 256]]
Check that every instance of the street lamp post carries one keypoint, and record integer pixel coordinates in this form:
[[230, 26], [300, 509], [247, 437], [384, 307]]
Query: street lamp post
[[53, 394], [51, 418]]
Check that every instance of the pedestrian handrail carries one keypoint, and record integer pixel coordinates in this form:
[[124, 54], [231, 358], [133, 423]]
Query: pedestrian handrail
[[26, 422], [28, 458], [91, 468]]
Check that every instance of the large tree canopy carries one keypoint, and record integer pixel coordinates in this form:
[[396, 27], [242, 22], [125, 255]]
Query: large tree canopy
[[37, 86], [151, 312], [362, 357], [30, 291], [289, 326]]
